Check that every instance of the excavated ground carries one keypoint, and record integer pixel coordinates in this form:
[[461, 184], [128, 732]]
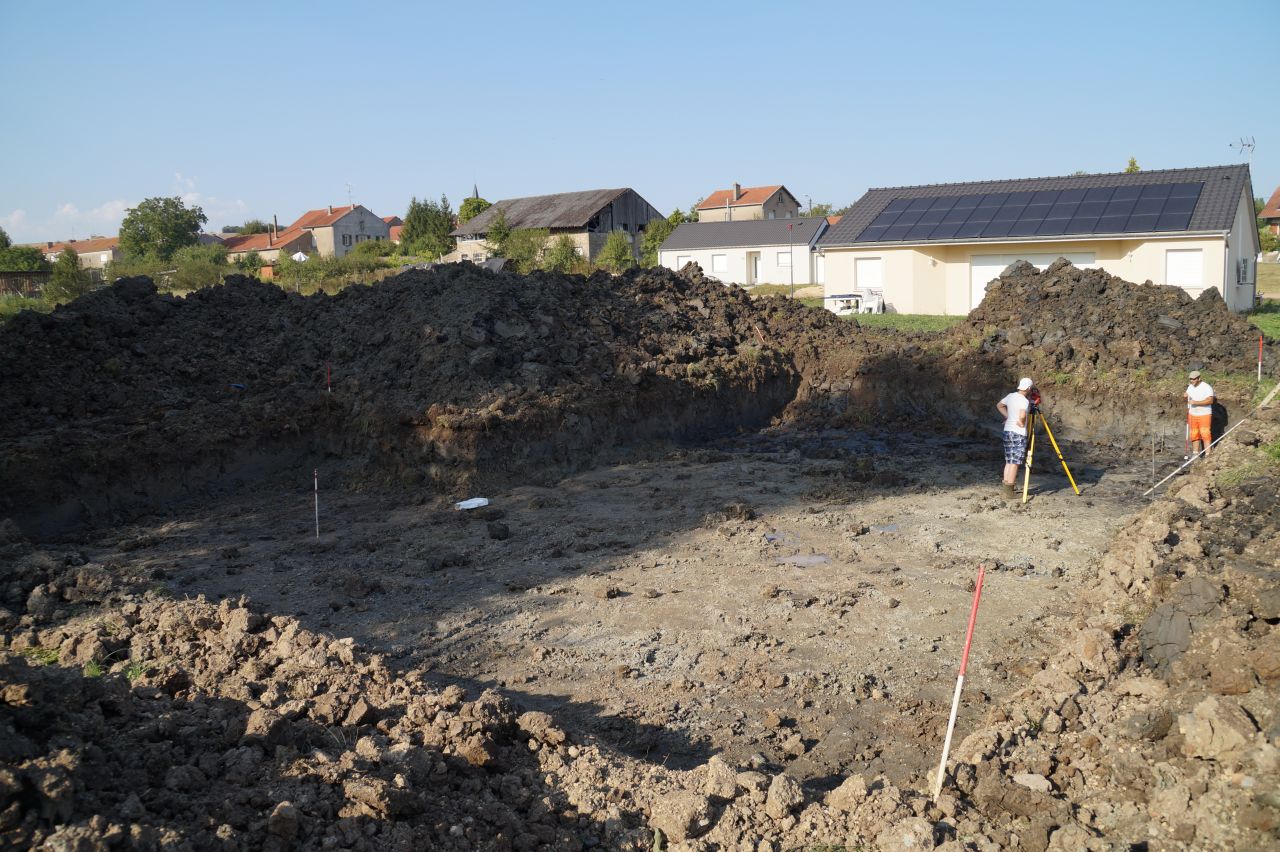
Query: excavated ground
[[742, 641]]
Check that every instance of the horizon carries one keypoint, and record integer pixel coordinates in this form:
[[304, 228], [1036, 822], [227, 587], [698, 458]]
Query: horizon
[[403, 103]]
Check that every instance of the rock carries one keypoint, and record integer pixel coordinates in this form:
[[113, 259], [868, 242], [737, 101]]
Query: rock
[[911, 833], [499, 531], [722, 780], [1164, 636], [1151, 724], [785, 795], [283, 822], [1216, 729], [541, 726], [681, 816], [1265, 659], [361, 713], [1095, 650], [377, 798], [851, 793], [608, 592], [266, 727], [1032, 781], [1230, 672]]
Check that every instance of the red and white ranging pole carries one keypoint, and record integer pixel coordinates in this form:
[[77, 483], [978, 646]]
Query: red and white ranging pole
[[955, 700]]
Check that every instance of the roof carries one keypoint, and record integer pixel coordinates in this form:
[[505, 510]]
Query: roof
[[831, 220], [82, 246], [751, 232], [393, 220], [1272, 210], [750, 196], [562, 210], [262, 242], [1214, 210], [321, 218]]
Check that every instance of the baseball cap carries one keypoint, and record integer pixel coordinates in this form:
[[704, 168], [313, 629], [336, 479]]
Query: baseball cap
[[1025, 384], [1194, 374]]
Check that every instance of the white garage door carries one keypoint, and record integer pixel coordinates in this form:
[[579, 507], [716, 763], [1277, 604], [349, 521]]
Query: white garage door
[[984, 267], [1184, 268]]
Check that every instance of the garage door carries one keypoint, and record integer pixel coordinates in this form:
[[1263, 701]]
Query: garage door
[[984, 267]]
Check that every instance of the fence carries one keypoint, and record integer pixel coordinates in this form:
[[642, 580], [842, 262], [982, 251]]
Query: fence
[[29, 284]]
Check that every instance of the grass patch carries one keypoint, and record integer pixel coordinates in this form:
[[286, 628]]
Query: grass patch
[[1269, 279], [813, 303], [137, 669], [11, 304], [93, 668], [1267, 318], [41, 656], [909, 322]]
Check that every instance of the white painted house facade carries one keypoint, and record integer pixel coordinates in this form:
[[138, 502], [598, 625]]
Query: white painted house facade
[[933, 249], [751, 252]]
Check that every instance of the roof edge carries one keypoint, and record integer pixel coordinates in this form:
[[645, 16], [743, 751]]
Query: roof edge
[[1235, 166]]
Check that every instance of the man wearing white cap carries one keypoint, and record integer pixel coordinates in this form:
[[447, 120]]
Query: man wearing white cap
[[1014, 409], [1199, 411]]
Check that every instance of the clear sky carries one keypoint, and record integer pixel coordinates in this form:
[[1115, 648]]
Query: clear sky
[[257, 108]]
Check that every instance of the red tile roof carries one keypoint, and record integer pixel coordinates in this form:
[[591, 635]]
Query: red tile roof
[[393, 220], [751, 195], [321, 218], [82, 246], [1272, 210], [263, 242], [831, 220]]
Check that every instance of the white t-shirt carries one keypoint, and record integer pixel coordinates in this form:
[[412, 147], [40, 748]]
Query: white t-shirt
[[1015, 403], [1199, 393]]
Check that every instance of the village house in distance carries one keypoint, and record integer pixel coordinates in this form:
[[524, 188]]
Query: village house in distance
[[586, 217], [754, 202], [327, 231]]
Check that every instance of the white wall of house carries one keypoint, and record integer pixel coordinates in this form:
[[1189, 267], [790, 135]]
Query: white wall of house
[[730, 265], [1240, 276], [939, 279]]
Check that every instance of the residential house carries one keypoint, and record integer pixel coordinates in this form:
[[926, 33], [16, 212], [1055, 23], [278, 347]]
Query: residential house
[[758, 251], [586, 217], [326, 231], [95, 252], [933, 249], [1270, 214], [753, 202]]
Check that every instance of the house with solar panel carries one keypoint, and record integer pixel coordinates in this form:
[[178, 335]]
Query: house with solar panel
[[749, 252], [933, 249]]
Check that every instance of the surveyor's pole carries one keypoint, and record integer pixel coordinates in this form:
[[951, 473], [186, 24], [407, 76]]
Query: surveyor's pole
[[316, 473], [1031, 451], [955, 699]]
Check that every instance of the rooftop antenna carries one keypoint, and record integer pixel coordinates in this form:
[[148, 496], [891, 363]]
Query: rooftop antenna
[[349, 201], [1245, 148]]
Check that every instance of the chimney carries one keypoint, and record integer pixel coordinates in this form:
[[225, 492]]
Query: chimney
[[48, 245], [330, 208], [737, 191]]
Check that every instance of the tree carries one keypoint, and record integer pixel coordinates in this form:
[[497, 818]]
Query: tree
[[1133, 167], [820, 209], [499, 232], [656, 233], [471, 208], [23, 259], [70, 280], [5, 242], [693, 210], [524, 248], [254, 226], [250, 263], [563, 256], [159, 227], [616, 256], [426, 228], [195, 267]]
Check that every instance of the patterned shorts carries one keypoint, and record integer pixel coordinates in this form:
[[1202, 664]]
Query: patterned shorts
[[1015, 448]]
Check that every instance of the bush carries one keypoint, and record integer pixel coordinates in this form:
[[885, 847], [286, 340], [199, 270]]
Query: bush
[[69, 281], [563, 256], [616, 256]]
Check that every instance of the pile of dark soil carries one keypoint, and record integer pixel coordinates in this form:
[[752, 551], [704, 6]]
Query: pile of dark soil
[[457, 377], [1070, 318]]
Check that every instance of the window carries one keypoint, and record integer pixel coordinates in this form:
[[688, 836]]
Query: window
[[1244, 271], [772, 214], [1184, 267], [784, 258], [346, 239], [682, 260], [719, 263]]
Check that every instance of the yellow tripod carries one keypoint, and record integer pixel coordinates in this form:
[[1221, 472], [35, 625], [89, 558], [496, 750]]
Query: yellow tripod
[[1031, 450]]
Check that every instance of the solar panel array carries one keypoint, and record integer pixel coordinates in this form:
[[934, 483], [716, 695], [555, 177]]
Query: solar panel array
[[1104, 210]]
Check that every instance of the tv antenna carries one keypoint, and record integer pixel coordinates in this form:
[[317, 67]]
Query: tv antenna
[[1245, 147], [350, 203]]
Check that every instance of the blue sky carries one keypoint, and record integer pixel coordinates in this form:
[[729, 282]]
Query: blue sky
[[254, 109]]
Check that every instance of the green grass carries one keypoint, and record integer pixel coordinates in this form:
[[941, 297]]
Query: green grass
[[1269, 280], [93, 668], [1267, 317], [12, 303], [909, 322], [136, 669], [41, 656]]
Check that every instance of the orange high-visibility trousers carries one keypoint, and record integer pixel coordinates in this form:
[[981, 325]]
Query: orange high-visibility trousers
[[1200, 428]]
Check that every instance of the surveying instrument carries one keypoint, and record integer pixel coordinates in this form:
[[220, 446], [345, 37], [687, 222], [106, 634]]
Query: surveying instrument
[[1034, 416]]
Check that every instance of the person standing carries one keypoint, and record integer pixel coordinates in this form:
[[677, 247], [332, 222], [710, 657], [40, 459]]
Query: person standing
[[1200, 400], [1014, 408]]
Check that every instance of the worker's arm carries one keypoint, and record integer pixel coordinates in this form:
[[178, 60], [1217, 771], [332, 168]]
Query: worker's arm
[[1004, 412]]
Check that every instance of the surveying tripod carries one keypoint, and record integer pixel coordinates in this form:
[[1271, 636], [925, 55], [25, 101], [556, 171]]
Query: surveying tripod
[[1034, 416]]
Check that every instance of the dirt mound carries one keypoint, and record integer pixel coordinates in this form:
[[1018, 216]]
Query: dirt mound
[[1073, 317], [454, 376]]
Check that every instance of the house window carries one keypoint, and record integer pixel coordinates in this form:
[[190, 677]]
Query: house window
[[771, 214], [682, 260], [346, 239], [719, 263], [784, 258]]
